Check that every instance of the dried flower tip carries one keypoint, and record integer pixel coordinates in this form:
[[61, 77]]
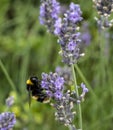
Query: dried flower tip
[[61, 107], [74, 112], [61, 118], [82, 54], [71, 105]]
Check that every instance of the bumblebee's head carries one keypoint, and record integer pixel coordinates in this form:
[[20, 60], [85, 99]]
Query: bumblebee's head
[[32, 81]]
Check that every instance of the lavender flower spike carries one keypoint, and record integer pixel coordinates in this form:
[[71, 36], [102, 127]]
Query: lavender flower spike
[[7, 120], [53, 84], [49, 11], [69, 35], [104, 8]]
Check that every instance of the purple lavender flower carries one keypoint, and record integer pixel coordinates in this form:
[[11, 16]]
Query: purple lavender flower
[[67, 31], [83, 86], [58, 83], [7, 120], [74, 14], [84, 91], [49, 11], [58, 95], [53, 84]]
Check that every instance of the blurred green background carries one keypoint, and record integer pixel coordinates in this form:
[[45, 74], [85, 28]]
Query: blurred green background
[[26, 49]]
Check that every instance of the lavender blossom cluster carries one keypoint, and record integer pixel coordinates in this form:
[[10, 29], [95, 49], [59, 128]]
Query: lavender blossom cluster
[[65, 28], [53, 85], [64, 107], [7, 120]]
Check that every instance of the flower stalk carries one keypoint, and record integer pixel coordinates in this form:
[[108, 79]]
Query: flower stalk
[[7, 75], [79, 105]]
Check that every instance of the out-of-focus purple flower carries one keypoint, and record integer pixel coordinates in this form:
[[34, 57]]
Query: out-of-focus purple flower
[[49, 11], [10, 101], [104, 9], [53, 84], [69, 35], [86, 38], [85, 34], [7, 120]]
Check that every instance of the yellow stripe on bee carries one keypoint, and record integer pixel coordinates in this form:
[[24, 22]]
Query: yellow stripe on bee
[[35, 97], [29, 82], [46, 100]]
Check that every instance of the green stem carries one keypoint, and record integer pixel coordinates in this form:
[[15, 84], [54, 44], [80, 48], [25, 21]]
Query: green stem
[[7, 75], [103, 55], [79, 105], [85, 81], [10, 82], [102, 58]]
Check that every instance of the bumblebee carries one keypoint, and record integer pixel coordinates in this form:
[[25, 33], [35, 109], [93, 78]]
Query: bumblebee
[[36, 91]]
